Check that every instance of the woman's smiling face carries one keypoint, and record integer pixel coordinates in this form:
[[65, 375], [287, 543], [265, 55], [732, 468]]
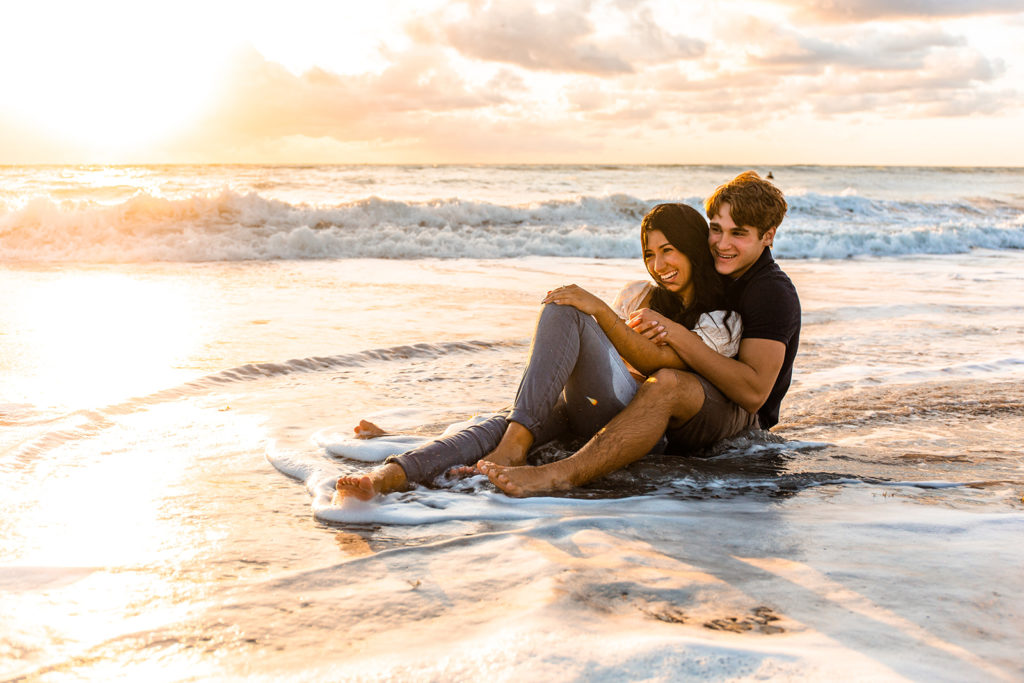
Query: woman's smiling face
[[669, 267]]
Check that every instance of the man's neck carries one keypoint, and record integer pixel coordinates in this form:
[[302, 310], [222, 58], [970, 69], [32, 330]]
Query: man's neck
[[758, 262]]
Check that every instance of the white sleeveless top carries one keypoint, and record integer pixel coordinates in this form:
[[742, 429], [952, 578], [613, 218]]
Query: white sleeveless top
[[710, 327]]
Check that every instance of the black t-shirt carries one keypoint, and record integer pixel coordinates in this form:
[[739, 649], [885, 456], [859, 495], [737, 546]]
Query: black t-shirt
[[767, 302]]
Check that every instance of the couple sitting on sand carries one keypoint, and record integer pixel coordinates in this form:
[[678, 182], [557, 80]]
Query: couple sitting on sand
[[701, 355]]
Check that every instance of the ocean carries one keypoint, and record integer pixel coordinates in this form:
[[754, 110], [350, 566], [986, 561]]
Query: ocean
[[187, 348]]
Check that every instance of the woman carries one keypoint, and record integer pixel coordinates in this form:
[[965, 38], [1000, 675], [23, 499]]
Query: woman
[[585, 361]]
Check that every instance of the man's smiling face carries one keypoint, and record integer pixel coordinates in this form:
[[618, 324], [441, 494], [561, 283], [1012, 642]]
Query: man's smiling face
[[735, 247]]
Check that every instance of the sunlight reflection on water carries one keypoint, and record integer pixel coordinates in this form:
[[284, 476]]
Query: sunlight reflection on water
[[91, 337]]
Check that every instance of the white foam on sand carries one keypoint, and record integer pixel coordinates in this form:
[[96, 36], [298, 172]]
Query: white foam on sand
[[379, 448], [472, 499]]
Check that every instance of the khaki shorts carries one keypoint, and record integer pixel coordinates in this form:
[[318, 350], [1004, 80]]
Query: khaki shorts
[[719, 418]]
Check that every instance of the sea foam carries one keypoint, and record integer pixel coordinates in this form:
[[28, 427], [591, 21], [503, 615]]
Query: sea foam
[[229, 226]]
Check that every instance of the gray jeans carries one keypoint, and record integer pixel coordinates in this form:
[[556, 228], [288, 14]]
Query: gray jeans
[[574, 383]]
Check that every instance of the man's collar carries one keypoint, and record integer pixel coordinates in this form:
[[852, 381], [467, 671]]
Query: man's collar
[[762, 261]]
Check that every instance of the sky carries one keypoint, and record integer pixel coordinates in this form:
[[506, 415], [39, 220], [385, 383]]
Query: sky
[[914, 82]]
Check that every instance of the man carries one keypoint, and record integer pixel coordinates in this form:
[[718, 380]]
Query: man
[[721, 396]]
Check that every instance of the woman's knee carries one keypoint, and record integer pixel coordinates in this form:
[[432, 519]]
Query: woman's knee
[[553, 312]]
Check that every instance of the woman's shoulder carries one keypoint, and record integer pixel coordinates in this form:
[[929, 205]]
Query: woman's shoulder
[[721, 330], [631, 297], [719, 319]]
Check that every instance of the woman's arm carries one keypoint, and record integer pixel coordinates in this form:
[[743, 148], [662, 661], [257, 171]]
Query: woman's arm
[[747, 379], [642, 353]]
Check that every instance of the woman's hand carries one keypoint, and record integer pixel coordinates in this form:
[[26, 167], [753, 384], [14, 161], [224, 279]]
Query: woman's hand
[[578, 298], [652, 325]]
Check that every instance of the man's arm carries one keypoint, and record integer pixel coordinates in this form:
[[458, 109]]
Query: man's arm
[[640, 352], [747, 379]]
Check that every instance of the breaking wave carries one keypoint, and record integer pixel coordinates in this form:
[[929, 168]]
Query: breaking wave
[[229, 226]]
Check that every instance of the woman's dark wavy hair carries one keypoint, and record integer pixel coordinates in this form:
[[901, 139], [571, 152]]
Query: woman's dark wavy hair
[[686, 230]]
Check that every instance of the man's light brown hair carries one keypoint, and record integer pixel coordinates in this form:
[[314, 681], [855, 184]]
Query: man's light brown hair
[[752, 201]]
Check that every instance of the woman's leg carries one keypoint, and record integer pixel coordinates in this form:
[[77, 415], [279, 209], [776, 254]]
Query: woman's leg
[[421, 465], [424, 463], [574, 382], [571, 354], [561, 335]]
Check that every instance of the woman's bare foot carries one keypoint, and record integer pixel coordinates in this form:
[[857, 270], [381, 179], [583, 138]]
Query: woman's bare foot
[[367, 430], [382, 480], [462, 471], [522, 482], [359, 486], [512, 449]]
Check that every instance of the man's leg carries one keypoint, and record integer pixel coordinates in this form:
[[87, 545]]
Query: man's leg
[[667, 398]]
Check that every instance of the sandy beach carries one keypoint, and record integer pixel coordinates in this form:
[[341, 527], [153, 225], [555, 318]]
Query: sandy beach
[[179, 529], [186, 351]]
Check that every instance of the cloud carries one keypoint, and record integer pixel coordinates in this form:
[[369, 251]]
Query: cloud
[[865, 72], [885, 49], [263, 99], [508, 81], [874, 10], [417, 109], [563, 40], [647, 41], [517, 33], [899, 71]]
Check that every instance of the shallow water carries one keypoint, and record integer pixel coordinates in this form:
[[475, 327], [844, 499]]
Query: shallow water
[[166, 484]]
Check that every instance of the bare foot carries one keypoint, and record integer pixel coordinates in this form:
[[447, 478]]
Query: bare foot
[[382, 480], [522, 482], [360, 487], [462, 471], [512, 449], [367, 430]]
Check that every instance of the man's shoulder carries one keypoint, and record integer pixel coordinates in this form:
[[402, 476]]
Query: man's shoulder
[[770, 284], [769, 305]]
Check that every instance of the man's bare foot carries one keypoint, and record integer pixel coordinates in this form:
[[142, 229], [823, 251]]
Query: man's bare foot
[[522, 482], [512, 449], [367, 430], [382, 480]]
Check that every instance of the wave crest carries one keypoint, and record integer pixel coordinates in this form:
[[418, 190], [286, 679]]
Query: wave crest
[[231, 227]]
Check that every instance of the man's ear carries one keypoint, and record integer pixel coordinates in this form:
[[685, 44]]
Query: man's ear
[[768, 238]]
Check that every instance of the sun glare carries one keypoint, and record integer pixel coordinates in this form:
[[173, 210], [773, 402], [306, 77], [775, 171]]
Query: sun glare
[[107, 79], [98, 337]]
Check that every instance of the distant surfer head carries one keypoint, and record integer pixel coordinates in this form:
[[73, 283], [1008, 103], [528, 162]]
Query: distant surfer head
[[745, 213], [698, 289]]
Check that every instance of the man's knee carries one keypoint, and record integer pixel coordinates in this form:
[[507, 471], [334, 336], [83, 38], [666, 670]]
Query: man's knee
[[667, 380], [682, 390]]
